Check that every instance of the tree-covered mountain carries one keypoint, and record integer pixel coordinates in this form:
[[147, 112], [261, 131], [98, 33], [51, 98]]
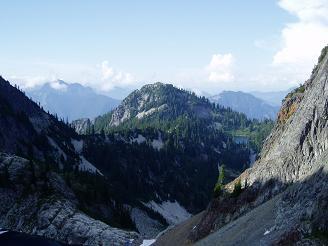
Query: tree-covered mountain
[[165, 144], [251, 106], [71, 101], [176, 112]]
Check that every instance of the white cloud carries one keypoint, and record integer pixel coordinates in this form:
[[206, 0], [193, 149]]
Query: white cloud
[[306, 10], [303, 40], [28, 82], [112, 78], [220, 68], [107, 71], [101, 77], [57, 85], [217, 75]]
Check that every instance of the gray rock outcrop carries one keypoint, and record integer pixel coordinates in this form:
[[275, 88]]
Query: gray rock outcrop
[[40, 203]]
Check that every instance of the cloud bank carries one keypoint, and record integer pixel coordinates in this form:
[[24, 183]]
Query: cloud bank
[[303, 40]]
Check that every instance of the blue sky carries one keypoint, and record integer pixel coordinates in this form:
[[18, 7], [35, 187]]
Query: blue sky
[[200, 45]]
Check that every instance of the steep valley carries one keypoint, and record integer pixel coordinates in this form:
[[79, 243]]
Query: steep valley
[[136, 168]]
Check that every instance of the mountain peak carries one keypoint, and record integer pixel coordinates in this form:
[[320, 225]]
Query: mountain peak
[[72, 100], [59, 85], [155, 85], [62, 82]]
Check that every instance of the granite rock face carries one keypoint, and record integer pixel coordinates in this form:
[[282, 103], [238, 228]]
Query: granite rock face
[[292, 165], [39, 203], [82, 126]]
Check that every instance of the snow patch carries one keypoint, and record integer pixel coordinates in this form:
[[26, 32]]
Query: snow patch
[[217, 150], [172, 212], [148, 242], [140, 139], [150, 111], [55, 146], [145, 113], [157, 143], [78, 145], [268, 231], [85, 165]]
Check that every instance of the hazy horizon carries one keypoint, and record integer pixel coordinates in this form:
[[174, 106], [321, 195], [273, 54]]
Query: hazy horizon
[[205, 47]]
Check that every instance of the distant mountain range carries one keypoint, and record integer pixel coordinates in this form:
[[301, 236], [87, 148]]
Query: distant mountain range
[[74, 101], [253, 107], [71, 101], [274, 98]]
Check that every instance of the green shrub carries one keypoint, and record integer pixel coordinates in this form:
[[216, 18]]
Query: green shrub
[[300, 89], [219, 184]]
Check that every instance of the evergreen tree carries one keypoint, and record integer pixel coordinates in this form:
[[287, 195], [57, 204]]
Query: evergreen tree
[[237, 188]]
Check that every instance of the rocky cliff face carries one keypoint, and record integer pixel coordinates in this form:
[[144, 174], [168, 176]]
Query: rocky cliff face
[[291, 175], [36, 201], [82, 126]]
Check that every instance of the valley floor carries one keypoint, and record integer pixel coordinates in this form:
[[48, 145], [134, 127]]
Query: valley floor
[[178, 234], [251, 229]]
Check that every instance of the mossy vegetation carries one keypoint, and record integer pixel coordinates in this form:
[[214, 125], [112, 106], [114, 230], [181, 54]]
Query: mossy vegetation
[[218, 188], [291, 104], [287, 112]]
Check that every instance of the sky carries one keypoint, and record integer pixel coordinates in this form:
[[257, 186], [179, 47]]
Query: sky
[[204, 46]]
